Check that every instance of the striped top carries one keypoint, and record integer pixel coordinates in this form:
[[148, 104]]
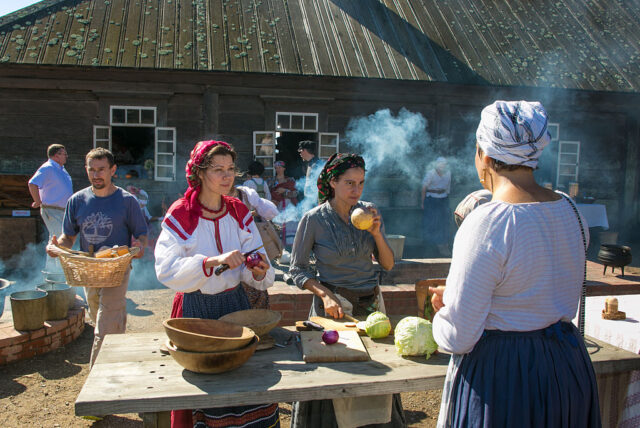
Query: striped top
[[515, 267]]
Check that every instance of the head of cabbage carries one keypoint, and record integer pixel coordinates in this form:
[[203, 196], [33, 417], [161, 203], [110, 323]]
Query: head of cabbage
[[377, 325], [414, 336]]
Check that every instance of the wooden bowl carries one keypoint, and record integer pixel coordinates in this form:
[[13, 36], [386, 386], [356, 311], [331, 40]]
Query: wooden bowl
[[203, 335], [262, 321], [212, 362]]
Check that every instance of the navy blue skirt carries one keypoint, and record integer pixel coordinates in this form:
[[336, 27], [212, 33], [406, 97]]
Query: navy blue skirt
[[436, 220], [541, 378], [214, 306]]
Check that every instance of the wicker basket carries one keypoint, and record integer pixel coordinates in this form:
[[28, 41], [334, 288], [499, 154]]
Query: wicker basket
[[83, 271]]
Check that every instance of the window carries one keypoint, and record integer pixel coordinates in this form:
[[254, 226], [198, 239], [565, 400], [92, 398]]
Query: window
[[264, 150], [102, 137], [297, 121], [165, 164], [328, 145], [554, 130], [140, 148], [133, 116], [568, 160]]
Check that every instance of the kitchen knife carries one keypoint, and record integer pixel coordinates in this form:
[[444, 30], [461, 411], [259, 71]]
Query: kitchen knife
[[313, 326], [225, 266]]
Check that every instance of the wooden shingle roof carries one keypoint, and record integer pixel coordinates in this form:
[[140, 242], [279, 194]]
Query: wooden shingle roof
[[579, 44]]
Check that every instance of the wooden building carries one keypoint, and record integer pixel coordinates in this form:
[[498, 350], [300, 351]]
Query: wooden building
[[149, 78]]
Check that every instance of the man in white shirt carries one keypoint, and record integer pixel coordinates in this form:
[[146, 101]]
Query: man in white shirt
[[50, 188]]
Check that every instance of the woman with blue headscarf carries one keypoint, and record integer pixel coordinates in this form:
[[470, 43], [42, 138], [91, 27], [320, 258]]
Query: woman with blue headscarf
[[513, 288]]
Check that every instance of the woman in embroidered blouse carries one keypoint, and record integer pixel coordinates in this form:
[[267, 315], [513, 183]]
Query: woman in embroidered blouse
[[344, 268], [203, 230], [513, 288]]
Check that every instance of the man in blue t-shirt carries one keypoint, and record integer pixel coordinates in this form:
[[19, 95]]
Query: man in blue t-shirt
[[103, 215]]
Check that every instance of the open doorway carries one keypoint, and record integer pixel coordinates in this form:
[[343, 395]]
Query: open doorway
[[132, 146], [288, 151]]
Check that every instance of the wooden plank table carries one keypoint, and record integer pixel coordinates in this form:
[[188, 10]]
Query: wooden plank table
[[130, 375]]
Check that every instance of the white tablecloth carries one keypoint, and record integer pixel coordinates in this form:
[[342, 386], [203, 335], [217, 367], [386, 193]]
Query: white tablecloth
[[594, 214], [619, 393]]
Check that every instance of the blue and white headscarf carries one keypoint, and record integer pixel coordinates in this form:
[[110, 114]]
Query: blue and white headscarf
[[513, 132]]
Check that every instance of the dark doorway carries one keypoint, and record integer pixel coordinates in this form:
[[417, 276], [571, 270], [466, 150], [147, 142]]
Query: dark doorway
[[288, 151], [132, 146]]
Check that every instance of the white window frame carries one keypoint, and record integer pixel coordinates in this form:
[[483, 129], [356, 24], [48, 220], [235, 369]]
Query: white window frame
[[557, 131], [97, 140], [269, 169], [155, 164], [320, 145], [291, 114], [574, 177], [139, 108]]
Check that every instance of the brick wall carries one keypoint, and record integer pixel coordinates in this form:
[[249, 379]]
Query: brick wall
[[294, 304], [17, 345]]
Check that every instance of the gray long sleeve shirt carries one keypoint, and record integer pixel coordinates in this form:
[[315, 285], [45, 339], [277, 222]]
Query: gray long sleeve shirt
[[343, 253]]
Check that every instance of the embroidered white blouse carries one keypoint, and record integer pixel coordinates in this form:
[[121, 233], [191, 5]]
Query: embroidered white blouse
[[187, 240]]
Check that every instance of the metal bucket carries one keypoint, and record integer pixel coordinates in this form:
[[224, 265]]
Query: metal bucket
[[57, 300], [396, 243], [59, 278], [29, 309], [4, 289]]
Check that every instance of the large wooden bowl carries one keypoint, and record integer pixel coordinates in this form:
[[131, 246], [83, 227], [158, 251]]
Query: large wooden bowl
[[203, 335], [262, 321], [212, 362]]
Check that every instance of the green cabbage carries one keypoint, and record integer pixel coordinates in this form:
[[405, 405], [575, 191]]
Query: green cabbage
[[377, 325], [414, 336]]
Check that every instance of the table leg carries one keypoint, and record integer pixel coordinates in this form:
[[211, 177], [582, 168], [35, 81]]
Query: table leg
[[156, 420]]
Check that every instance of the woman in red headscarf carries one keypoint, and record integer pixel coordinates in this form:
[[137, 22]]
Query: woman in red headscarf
[[203, 230]]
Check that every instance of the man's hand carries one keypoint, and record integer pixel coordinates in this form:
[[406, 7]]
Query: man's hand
[[138, 243], [35, 204], [52, 249]]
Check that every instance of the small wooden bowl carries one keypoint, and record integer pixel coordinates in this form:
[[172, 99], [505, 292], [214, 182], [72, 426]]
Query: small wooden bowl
[[212, 362], [262, 321], [204, 335]]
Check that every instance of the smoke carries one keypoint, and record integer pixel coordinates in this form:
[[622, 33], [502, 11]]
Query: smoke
[[25, 269], [398, 151], [401, 146]]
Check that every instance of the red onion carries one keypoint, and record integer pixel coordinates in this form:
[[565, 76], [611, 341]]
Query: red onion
[[253, 260], [330, 337]]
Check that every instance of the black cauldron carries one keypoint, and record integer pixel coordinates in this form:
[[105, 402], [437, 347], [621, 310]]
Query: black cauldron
[[614, 256]]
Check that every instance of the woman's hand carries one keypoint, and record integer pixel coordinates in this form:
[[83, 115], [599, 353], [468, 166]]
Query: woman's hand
[[377, 222], [332, 305], [436, 297], [260, 270], [233, 259]]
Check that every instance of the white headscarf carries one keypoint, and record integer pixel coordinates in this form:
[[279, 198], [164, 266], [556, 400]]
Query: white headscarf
[[513, 132]]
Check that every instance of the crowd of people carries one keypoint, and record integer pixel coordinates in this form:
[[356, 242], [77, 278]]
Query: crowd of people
[[505, 313]]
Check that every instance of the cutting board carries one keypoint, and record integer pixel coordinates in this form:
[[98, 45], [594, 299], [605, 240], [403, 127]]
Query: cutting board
[[329, 324], [349, 347]]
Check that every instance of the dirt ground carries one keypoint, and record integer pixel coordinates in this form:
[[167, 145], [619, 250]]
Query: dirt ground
[[41, 391]]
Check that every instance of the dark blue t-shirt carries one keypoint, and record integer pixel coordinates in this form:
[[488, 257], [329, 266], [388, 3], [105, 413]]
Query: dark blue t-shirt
[[103, 221]]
